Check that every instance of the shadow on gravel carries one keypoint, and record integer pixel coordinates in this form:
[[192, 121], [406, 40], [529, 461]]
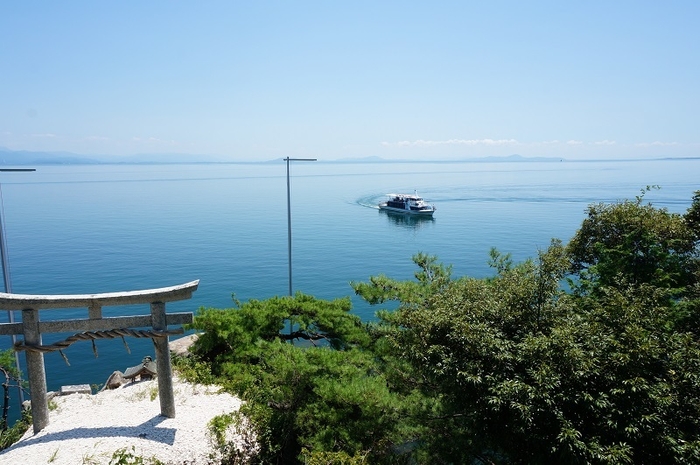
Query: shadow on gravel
[[147, 430]]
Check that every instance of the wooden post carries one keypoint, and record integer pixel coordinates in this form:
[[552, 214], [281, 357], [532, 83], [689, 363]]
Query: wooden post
[[165, 372], [35, 369]]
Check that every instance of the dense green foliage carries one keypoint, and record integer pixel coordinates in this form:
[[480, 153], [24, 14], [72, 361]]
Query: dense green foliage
[[589, 353], [634, 243], [330, 398], [11, 435]]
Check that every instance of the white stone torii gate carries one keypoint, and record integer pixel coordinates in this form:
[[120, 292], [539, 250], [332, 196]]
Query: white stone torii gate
[[32, 328]]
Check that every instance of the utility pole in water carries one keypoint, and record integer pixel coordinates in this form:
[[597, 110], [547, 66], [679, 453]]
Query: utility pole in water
[[289, 219], [289, 229]]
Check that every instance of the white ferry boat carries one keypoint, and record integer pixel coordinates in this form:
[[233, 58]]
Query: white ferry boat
[[411, 204]]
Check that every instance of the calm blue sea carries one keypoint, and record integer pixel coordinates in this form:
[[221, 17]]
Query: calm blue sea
[[106, 228]]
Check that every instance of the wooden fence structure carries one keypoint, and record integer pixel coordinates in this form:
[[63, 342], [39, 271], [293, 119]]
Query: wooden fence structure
[[95, 327]]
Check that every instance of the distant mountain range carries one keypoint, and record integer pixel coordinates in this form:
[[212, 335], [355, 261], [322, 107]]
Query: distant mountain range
[[24, 157], [507, 158]]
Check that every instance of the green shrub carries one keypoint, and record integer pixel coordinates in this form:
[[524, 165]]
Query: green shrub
[[14, 433]]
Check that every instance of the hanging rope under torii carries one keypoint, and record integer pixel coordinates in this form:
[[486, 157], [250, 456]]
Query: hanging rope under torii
[[92, 336]]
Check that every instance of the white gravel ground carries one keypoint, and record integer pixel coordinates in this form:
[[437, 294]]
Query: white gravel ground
[[88, 429]]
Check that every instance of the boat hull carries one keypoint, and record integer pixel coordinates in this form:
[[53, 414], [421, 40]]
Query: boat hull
[[422, 212]]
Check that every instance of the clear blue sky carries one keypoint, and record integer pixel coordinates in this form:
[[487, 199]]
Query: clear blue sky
[[330, 79]]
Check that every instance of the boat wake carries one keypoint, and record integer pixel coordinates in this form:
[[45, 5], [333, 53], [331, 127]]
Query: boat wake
[[370, 201]]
